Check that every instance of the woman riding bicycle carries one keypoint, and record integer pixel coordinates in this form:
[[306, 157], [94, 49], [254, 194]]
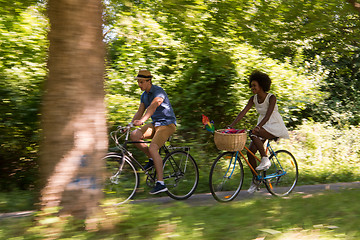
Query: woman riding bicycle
[[269, 125]]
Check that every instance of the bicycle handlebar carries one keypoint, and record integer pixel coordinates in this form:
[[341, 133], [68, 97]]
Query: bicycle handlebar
[[123, 130], [126, 128]]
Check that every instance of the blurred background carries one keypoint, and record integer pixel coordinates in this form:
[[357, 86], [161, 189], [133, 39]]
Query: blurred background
[[202, 53]]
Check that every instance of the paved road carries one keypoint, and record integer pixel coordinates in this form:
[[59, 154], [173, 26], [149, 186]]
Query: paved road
[[206, 199]]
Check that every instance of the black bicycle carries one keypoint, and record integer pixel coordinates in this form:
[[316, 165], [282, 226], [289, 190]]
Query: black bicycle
[[181, 174]]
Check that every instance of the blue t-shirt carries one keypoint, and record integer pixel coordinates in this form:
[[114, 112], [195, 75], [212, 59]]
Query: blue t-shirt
[[164, 114]]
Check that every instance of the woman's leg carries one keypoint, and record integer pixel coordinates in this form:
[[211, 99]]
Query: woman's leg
[[259, 139], [251, 158]]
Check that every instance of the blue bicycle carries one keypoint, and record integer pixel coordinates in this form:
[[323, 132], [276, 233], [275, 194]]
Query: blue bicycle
[[227, 173]]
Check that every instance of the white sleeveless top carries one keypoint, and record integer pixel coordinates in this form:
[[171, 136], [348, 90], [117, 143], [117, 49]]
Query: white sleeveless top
[[275, 125]]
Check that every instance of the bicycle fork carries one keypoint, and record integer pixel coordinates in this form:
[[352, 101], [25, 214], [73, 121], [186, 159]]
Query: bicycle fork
[[233, 168], [114, 178]]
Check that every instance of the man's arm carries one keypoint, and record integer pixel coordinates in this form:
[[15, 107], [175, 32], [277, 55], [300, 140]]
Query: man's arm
[[149, 111], [139, 112]]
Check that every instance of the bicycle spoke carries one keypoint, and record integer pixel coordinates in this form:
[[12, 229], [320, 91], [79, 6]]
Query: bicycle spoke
[[226, 177], [121, 179], [281, 177], [181, 175]]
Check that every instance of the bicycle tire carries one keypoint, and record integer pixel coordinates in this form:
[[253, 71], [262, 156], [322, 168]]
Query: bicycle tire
[[181, 175], [226, 177], [280, 179], [121, 180]]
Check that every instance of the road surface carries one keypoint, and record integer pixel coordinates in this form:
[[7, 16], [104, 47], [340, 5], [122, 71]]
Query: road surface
[[206, 199]]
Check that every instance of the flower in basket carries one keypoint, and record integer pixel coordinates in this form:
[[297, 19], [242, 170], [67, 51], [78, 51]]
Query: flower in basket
[[233, 131], [208, 125]]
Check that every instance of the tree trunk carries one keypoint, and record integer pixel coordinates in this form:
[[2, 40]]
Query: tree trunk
[[355, 4], [73, 114]]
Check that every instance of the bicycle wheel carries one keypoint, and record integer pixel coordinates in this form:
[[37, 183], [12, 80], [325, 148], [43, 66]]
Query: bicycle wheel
[[181, 175], [282, 176], [226, 177], [121, 179]]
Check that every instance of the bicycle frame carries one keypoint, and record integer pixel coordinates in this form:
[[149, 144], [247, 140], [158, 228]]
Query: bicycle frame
[[180, 171], [123, 146], [227, 173], [124, 150], [283, 172], [259, 177]]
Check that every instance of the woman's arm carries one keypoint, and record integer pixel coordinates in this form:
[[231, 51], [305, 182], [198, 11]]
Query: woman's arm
[[243, 112]]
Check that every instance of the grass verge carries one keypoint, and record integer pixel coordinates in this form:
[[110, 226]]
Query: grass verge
[[328, 215]]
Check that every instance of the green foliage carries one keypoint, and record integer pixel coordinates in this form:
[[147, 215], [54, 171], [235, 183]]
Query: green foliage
[[203, 69], [325, 153], [204, 89], [342, 105], [201, 53], [22, 72], [286, 28], [120, 109], [15, 201]]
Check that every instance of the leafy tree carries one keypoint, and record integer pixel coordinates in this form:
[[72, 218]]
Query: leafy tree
[[341, 106], [201, 52], [321, 38], [205, 88], [22, 71], [200, 58]]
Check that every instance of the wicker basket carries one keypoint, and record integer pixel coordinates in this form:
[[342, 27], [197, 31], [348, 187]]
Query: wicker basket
[[229, 141]]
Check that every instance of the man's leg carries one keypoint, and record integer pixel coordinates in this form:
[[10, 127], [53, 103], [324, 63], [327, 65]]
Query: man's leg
[[154, 153], [160, 185], [139, 134], [162, 134]]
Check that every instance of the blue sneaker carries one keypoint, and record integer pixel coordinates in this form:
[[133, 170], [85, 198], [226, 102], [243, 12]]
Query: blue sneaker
[[158, 188], [149, 164]]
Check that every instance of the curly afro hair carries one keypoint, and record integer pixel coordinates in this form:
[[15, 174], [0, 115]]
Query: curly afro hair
[[262, 78]]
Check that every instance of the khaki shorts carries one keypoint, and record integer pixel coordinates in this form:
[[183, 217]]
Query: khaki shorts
[[159, 135]]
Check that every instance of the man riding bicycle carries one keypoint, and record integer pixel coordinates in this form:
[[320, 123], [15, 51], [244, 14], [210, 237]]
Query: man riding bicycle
[[154, 103]]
